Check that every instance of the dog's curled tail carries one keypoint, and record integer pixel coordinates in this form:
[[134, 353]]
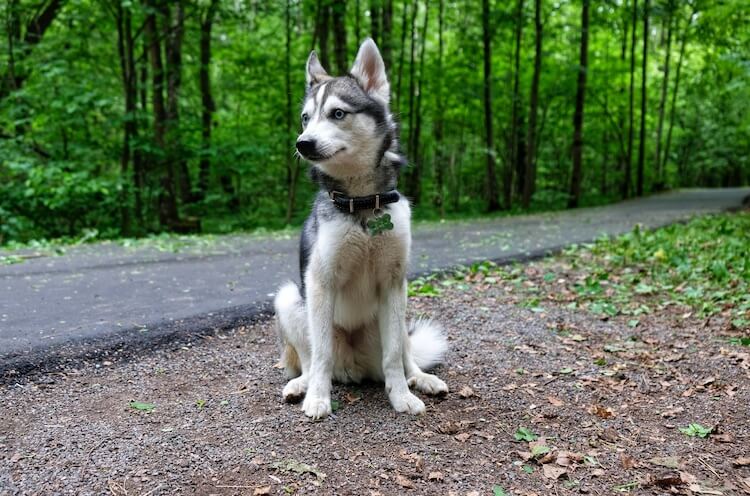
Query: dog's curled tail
[[428, 343]]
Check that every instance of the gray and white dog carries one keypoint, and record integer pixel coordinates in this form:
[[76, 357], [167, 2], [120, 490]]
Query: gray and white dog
[[348, 322]]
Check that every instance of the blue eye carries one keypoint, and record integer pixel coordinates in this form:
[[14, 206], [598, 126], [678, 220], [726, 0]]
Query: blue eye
[[339, 114], [305, 119]]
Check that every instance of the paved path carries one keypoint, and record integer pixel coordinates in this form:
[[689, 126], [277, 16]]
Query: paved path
[[105, 298]]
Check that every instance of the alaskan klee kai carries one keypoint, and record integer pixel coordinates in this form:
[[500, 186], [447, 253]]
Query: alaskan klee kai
[[348, 320]]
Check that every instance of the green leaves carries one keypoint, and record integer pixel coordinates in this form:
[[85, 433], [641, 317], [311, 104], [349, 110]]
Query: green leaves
[[144, 407], [696, 430], [524, 434]]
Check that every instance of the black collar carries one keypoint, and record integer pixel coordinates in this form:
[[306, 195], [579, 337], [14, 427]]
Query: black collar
[[351, 204]]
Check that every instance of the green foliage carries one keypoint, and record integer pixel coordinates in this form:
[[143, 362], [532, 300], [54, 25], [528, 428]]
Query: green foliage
[[61, 126], [696, 430], [524, 434]]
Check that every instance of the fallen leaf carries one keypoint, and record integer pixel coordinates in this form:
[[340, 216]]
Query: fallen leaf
[[437, 476], [664, 480], [555, 401], [597, 472], [16, 457], [688, 478], [723, 438], [404, 482], [601, 411], [568, 458], [297, 467], [351, 398], [466, 392], [262, 491], [525, 455], [553, 472], [463, 437], [627, 461], [741, 462], [144, 407]]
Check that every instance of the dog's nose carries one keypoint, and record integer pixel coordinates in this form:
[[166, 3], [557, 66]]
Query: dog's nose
[[306, 147]]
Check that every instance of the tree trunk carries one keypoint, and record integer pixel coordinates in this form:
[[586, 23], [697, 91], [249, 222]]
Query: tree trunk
[[492, 193], [673, 109], [292, 169], [375, 20], [386, 42], [642, 138], [622, 155], [412, 76], [168, 216], [207, 101], [402, 52], [627, 180], [357, 17], [529, 185], [324, 13], [439, 116], [174, 35], [415, 177], [338, 14], [662, 105], [128, 81], [516, 164], [576, 177]]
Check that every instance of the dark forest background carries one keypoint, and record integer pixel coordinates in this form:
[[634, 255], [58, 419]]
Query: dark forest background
[[130, 117]]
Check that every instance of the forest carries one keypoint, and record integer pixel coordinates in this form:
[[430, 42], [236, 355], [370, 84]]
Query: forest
[[123, 118]]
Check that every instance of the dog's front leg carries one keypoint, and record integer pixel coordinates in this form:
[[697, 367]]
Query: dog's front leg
[[393, 336], [320, 301]]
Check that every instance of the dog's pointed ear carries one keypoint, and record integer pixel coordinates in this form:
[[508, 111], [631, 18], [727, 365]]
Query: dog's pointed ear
[[369, 70], [315, 72]]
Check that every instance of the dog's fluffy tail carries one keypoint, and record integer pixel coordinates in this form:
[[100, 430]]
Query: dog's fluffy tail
[[428, 343]]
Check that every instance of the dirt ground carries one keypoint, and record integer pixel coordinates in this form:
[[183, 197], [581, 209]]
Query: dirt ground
[[606, 400]]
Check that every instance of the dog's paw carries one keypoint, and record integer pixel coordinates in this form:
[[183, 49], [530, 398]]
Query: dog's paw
[[429, 384], [295, 389], [316, 407], [407, 403]]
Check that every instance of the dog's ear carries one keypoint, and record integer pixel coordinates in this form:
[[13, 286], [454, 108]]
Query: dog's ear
[[315, 72], [369, 70]]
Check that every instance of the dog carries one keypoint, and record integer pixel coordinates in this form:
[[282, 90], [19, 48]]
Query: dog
[[347, 321]]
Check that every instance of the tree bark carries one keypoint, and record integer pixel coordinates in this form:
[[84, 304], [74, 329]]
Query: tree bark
[[174, 34], [515, 166], [492, 193], [375, 20], [338, 14], [644, 95], [439, 116], [415, 177], [673, 108], [386, 42], [292, 169], [622, 155], [576, 177], [627, 180], [207, 101], [168, 215], [402, 52], [529, 185], [663, 103]]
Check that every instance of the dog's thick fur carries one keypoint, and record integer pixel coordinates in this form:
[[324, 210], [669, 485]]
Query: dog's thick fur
[[349, 321]]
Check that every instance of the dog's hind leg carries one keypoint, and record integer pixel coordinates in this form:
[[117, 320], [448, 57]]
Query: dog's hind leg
[[291, 320]]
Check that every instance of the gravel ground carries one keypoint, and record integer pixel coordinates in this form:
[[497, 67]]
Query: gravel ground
[[607, 401]]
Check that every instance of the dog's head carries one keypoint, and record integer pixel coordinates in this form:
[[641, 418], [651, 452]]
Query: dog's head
[[347, 125]]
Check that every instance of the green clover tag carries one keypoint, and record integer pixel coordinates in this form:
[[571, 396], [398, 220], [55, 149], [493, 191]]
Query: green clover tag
[[380, 224]]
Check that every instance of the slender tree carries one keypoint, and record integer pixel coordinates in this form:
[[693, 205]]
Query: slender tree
[[386, 42], [208, 106], [529, 184], [402, 53], [416, 175], [663, 100], [516, 164], [493, 203], [439, 116], [338, 15], [627, 180], [673, 107], [576, 177], [375, 19], [292, 167], [644, 97]]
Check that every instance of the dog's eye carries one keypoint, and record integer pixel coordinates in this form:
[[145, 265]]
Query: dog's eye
[[305, 119], [338, 114]]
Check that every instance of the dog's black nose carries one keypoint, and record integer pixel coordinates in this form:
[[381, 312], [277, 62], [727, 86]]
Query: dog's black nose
[[306, 147]]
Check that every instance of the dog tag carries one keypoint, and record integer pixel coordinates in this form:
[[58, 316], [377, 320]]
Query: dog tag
[[379, 224]]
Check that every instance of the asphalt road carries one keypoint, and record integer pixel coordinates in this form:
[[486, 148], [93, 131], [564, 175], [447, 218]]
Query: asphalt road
[[107, 299]]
